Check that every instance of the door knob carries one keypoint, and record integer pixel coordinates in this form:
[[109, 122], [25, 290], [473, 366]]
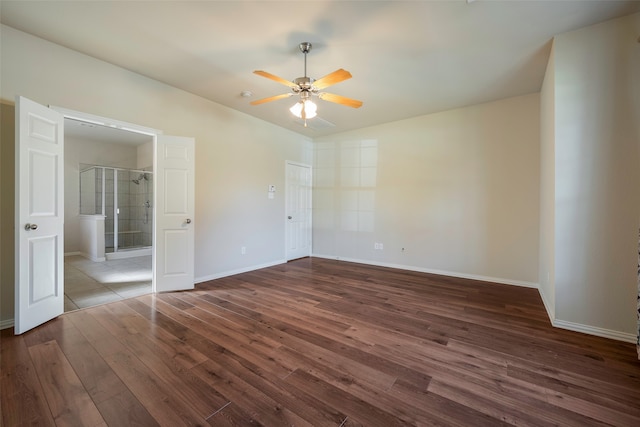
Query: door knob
[[188, 221], [289, 217], [29, 227]]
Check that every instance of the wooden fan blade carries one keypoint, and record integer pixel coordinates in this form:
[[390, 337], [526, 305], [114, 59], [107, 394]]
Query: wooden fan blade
[[271, 98], [353, 103], [332, 78], [275, 78]]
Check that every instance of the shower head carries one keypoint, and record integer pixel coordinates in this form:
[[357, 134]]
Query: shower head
[[140, 177]]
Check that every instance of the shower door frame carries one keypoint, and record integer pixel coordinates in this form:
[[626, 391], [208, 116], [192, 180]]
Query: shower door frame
[[116, 208]]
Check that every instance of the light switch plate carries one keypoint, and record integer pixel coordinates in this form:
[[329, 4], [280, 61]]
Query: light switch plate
[[272, 188]]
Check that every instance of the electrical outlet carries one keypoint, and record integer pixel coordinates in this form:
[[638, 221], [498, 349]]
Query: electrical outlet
[[376, 246], [243, 250]]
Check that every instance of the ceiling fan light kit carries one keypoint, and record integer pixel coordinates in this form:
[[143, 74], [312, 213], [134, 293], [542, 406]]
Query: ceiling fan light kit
[[306, 87], [304, 109]]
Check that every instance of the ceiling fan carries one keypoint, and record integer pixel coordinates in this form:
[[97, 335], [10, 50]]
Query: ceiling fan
[[307, 87]]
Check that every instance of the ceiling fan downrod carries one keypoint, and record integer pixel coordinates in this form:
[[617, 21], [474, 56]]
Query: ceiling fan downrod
[[305, 47], [304, 83]]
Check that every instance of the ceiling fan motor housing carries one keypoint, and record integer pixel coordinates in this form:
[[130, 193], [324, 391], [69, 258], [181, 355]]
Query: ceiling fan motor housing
[[304, 84]]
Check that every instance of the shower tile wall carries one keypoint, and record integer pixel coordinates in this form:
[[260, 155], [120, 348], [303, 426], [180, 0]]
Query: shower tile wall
[[135, 219], [125, 238]]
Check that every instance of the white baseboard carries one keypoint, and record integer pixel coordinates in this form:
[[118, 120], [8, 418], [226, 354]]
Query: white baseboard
[[6, 324], [127, 253], [547, 306], [238, 271], [585, 329], [593, 330], [82, 254], [92, 258], [432, 271]]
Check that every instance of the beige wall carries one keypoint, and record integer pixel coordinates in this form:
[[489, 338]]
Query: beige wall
[[597, 197], [546, 272], [7, 214], [458, 190], [144, 160], [237, 156]]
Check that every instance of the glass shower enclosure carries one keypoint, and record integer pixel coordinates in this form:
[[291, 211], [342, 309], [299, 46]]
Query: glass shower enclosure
[[125, 198]]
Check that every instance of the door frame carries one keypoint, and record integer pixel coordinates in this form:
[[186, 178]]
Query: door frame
[[60, 114], [286, 204], [130, 127]]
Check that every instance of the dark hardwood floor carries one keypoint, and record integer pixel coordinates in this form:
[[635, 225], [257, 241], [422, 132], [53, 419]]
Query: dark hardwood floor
[[319, 343]]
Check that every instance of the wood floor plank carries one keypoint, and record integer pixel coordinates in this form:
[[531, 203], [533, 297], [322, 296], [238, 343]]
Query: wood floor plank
[[217, 336], [317, 351], [113, 399], [271, 384], [353, 406], [156, 396], [231, 415], [320, 342], [155, 337], [23, 399], [172, 371], [254, 401], [68, 400]]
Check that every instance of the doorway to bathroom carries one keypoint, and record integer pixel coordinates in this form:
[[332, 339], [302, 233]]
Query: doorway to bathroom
[[41, 200], [108, 214]]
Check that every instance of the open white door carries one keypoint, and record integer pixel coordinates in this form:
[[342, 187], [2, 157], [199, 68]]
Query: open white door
[[175, 208], [39, 290], [298, 211]]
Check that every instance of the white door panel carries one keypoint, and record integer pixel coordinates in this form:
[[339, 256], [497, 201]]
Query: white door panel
[[39, 291], [174, 229], [298, 209]]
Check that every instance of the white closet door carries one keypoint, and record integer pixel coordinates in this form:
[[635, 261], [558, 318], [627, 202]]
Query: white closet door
[[175, 208], [298, 211]]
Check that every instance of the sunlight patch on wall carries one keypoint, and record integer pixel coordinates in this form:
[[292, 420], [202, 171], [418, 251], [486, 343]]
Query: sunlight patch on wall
[[345, 176]]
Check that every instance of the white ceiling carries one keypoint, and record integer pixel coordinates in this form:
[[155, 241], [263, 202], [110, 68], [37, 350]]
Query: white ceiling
[[407, 58]]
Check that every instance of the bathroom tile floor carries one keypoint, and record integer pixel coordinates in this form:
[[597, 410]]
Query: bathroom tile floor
[[88, 283]]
